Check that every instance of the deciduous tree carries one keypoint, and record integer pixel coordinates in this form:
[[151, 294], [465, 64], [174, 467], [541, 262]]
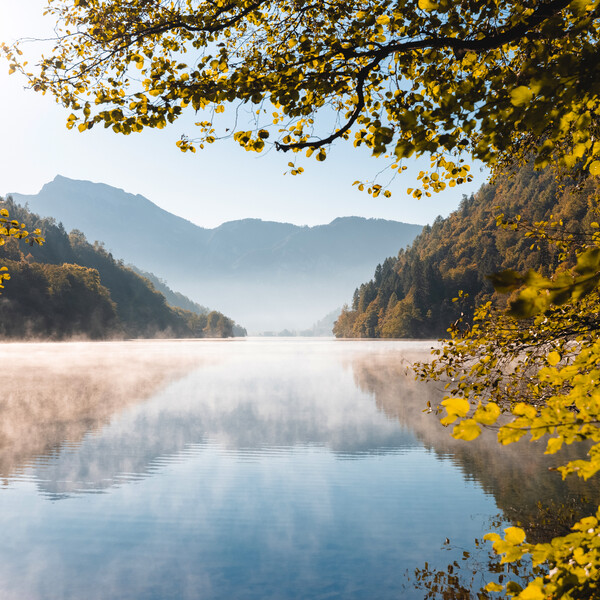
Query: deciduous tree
[[13, 229], [490, 79], [499, 81], [534, 370]]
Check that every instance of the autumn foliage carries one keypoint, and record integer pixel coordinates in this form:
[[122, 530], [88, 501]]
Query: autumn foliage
[[493, 80]]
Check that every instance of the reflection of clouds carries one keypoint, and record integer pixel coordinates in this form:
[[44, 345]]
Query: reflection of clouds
[[297, 525], [249, 499]]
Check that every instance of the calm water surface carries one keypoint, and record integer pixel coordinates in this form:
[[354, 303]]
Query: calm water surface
[[241, 469]]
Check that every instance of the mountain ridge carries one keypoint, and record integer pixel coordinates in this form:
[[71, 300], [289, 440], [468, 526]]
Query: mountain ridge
[[266, 274]]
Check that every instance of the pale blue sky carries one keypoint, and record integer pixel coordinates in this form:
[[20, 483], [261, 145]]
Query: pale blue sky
[[221, 183]]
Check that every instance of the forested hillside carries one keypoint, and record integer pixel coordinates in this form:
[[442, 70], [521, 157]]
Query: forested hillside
[[68, 287], [412, 295], [177, 300]]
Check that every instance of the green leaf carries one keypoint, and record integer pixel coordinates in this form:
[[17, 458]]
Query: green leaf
[[506, 281], [588, 261], [513, 588]]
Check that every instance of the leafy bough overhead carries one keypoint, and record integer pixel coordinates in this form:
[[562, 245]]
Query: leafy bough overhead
[[493, 80]]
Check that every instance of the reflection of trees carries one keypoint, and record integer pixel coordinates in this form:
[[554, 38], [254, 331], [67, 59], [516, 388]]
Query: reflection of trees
[[59, 392], [65, 391], [517, 475]]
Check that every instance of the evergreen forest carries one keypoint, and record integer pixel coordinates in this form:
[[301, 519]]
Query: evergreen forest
[[70, 288], [444, 273]]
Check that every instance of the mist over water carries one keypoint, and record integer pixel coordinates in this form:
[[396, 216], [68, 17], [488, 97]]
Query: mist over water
[[247, 468]]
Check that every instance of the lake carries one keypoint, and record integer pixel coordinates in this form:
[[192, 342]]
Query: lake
[[239, 469]]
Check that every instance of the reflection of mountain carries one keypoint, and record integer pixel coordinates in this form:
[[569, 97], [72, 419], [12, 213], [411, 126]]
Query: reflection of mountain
[[271, 405], [517, 475], [86, 416], [58, 393]]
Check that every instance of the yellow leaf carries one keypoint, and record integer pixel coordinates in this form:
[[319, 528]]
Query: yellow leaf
[[524, 409], [521, 95], [532, 592], [487, 414], [455, 407], [466, 430], [508, 435], [494, 587], [595, 168], [514, 535], [427, 5], [553, 358], [554, 445]]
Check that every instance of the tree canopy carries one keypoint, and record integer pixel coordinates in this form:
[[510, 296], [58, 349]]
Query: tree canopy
[[497, 81], [492, 80], [73, 288]]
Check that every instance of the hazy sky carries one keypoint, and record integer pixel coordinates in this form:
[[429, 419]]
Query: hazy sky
[[221, 183]]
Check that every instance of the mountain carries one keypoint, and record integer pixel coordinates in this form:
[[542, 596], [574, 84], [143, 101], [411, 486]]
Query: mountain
[[172, 297], [69, 288], [411, 294], [266, 275]]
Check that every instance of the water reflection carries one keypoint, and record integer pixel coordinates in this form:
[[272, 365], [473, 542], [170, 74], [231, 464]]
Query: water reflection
[[243, 469], [304, 402], [56, 394], [519, 476]]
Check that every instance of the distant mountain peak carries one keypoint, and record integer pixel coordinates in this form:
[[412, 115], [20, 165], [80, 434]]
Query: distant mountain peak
[[67, 182]]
